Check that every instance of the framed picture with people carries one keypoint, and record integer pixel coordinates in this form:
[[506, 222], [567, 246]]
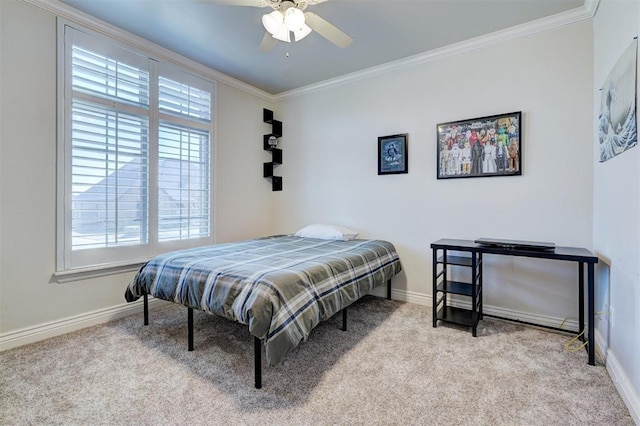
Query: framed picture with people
[[393, 154], [480, 147]]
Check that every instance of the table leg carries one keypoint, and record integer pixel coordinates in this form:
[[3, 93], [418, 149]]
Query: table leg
[[480, 285], [474, 294], [581, 300], [592, 347], [434, 299]]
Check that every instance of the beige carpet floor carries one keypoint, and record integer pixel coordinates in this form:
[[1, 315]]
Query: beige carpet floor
[[390, 367]]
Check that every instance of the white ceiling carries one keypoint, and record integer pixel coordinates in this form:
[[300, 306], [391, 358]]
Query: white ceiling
[[227, 38]]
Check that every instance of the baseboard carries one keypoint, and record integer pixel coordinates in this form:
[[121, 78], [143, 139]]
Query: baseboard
[[628, 394], [28, 335], [403, 295]]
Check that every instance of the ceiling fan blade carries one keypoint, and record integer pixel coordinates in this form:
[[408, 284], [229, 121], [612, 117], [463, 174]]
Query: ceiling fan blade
[[327, 30], [275, 4], [254, 3], [304, 3], [268, 43]]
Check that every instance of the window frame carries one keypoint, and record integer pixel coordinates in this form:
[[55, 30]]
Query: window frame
[[73, 265]]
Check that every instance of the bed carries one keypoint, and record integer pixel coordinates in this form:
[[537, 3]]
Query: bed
[[281, 287]]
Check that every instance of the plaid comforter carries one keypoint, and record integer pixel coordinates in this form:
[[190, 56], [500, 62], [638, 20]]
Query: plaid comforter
[[281, 287]]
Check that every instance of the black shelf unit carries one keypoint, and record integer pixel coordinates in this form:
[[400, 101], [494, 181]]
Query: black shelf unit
[[443, 287], [276, 154]]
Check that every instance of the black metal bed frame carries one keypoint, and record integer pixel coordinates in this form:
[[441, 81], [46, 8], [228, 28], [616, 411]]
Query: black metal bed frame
[[257, 343]]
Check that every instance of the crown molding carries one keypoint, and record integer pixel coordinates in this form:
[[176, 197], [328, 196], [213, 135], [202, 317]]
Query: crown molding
[[591, 6], [540, 25], [65, 11]]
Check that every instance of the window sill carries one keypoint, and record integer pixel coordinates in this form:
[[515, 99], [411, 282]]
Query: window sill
[[80, 274]]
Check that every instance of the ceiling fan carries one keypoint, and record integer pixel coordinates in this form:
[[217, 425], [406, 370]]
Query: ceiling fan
[[288, 17]]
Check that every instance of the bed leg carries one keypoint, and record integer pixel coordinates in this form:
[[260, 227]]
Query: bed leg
[[257, 355], [389, 290], [190, 327], [146, 308], [344, 319]]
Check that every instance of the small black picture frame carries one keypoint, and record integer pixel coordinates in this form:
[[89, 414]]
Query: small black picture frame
[[393, 155], [480, 147]]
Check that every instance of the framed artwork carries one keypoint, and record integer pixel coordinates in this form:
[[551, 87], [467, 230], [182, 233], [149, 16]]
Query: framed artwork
[[480, 147], [393, 154], [617, 128]]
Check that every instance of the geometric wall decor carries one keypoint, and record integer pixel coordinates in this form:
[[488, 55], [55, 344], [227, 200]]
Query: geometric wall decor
[[270, 143]]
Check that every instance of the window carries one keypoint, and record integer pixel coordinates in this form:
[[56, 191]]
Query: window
[[134, 154]]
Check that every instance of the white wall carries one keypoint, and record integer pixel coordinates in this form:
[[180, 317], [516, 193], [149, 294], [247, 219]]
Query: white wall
[[616, 210], [330, 172], [244, 207], [29, 296]]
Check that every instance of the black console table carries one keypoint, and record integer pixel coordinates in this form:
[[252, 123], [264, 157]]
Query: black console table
[[474, 289]]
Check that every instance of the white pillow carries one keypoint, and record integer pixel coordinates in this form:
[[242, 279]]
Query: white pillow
[[327, 232]]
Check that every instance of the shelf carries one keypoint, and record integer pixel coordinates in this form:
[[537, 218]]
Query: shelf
[[276, 183], [265, 142], [276, 154], [444, 287], [456, 315], [456, 260], [267, 115], [276, 128], [457, 287], [267, 169]]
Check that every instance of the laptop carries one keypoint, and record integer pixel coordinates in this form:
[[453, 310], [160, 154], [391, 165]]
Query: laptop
[[515, 244]]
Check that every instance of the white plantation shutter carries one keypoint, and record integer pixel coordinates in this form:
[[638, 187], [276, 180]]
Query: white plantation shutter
[[136, 156], [183, 155], [183, 100], [109, 77], [183, 183], [109, 178]]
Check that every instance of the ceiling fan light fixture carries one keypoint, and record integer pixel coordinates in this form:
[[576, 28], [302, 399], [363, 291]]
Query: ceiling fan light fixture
[[283, 34], [302, 32], [294, 19], [273, 22]]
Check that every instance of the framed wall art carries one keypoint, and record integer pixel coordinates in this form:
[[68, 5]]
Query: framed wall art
[[617, 127], [480, 147], [393, 154]]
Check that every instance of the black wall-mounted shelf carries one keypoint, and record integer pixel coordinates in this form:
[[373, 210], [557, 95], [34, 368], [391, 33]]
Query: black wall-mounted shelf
[[276, 154]]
